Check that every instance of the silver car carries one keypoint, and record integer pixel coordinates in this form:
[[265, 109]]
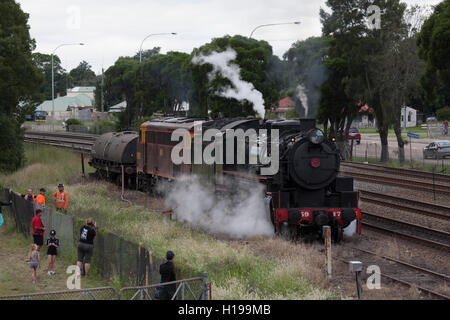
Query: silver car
[[437, 150]]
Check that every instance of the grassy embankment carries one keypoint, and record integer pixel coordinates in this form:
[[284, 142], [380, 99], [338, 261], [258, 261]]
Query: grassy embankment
[[235, 269]]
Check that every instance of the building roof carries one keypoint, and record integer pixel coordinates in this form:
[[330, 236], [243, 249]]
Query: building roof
[[286, 103], [64, 103], [82, 89], [118, 107]]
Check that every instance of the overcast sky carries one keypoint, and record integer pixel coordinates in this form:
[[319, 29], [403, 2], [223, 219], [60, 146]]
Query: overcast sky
[[115, 28]]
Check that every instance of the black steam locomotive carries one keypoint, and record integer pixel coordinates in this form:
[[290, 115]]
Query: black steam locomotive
[[303, 194]]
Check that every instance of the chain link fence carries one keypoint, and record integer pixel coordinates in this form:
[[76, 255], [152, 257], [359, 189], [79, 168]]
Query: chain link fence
[[113, 255], [370, 151], [92, 129], [106, 293], [196, 288]]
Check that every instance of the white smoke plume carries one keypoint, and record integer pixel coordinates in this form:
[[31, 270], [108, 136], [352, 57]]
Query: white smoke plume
[[301, 94], [242, 215], [241, 89]]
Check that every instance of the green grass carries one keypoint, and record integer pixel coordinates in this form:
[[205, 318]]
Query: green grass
[[417, 129], [15, 276], [280, 271]]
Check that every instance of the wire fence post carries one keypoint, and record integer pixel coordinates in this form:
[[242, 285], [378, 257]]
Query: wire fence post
[[205, 286], [326, 230]]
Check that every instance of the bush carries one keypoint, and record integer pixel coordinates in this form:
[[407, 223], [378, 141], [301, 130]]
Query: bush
[[443, 114], [71, 121]]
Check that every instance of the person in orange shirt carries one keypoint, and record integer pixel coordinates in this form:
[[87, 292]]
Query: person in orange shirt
[[62, 198], [40, 199]]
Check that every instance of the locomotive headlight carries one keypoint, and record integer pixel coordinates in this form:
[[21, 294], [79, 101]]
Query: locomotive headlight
[[316, 136]]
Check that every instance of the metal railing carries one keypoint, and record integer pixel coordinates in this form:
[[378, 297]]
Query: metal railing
[[105, 293], [197, 288]]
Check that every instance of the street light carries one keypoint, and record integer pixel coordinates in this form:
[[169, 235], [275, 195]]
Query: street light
[[53, 81], [273, 24], [153, 34]]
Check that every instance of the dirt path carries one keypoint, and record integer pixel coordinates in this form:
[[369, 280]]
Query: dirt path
[[15, 274]]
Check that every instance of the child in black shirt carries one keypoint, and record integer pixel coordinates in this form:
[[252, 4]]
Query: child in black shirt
[[52, 245]]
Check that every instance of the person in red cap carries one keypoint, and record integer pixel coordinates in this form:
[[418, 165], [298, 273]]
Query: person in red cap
[[61, 198]]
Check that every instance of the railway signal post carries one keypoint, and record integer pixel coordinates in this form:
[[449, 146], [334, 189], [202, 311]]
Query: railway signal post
[[356, 267]]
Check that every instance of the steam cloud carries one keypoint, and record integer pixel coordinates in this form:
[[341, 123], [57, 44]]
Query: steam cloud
[[241, 89], [241, 215]]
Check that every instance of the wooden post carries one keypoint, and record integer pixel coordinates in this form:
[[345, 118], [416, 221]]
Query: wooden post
[[139, 265], [356, 267], [82, 165], [326, 231]]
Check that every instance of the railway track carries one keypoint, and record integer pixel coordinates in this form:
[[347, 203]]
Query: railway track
[[438, 177], [76, 141], [405, 273], [403, 182], [418, 233], [414, 206]]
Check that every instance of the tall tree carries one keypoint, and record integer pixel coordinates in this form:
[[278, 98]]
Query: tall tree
[[83, 75], [61, 77], [20, 80], [434, 50]]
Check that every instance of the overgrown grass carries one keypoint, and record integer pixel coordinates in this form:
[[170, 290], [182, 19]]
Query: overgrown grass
[[46, 167], [235, 270]]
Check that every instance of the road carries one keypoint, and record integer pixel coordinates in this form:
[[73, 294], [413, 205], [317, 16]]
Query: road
[[370, 144]]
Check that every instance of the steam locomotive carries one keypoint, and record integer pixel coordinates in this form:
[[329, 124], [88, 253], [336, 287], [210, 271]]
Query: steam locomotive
[[302, 196]]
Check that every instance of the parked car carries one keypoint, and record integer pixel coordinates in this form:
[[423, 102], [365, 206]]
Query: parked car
[[353, 134], [431, 119], [437, 150]]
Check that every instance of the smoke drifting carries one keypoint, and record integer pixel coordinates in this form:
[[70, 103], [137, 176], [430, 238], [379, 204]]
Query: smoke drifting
[[241, 89], [241, 215], [301, 95]]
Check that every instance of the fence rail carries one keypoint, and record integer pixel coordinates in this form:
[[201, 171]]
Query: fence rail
[[196, 288], [105, 293]]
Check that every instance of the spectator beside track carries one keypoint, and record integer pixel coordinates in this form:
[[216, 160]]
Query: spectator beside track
[[38, 229], [86, 245], [167, 275], [40, 198], [52, 246], [445, 124], [35, 261], [2, 204], [61, 198], [29, 196]]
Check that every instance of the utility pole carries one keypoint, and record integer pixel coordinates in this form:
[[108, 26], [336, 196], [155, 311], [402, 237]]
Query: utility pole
[[102, 97]]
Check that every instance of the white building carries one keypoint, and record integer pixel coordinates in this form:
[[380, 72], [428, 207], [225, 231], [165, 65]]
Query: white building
[[408, 117]]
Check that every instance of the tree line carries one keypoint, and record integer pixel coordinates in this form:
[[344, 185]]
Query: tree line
[[351, 69]]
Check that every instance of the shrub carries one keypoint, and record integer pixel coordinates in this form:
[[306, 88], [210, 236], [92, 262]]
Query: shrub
[[443, 114]]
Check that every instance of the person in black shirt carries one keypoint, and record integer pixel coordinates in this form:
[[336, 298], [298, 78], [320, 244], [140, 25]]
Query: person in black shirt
[[168, 274], [86, 245], [52, 246]]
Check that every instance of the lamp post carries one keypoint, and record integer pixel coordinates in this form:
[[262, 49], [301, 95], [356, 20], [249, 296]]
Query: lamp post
[[53, 81], [273, 24], [153, 34]]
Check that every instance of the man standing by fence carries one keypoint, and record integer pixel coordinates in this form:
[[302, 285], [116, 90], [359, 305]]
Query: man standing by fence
[[62, 198], [38, 229], [29, 196], [168, 274]]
